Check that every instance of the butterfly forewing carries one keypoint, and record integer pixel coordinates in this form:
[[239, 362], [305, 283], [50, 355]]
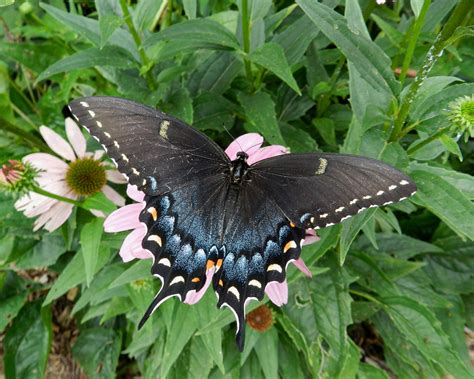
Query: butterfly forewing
[[153, 150], [316, 190]]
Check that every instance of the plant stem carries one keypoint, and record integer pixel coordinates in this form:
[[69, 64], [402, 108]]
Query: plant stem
[[23, 116], [413, 38], [158, 15], [29, 138], [136, 38], [365, 296], [458, 15], [428, 140], [246, 37], [324, 99], [43, 192]]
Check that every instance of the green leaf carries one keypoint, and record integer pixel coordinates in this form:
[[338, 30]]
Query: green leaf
[[445, 201], [451, 145], [272, 57], [200, 364], [109, 19], [97, 350], [27, 342], [420, 326], [367, 371], [350, 230], [91, 234], [45, 253], [190, 8], [297, 139], [197, 34], [416, 6], [181, 331], [90, 29], [137, 270], [4, 3], [99, 202], [260, 111], [180, 105], [213, 112], [9, 308], [108, 56], [74, 274], [267, 353], [371, 61]]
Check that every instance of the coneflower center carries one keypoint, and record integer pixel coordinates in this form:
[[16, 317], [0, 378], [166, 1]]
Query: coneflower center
[[86, 176]]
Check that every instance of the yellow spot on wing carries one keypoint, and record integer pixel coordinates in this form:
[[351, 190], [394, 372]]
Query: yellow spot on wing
[[155, 238], [289, 245], [153, 212], [323, 163]]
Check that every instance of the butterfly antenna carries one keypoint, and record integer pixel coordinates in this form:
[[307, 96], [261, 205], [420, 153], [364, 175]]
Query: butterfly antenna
[[232, 137]]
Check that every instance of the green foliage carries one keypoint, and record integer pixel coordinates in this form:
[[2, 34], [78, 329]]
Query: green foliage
[[329, 75]]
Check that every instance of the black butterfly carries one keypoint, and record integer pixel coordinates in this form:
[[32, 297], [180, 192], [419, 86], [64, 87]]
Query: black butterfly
[[205, 211]]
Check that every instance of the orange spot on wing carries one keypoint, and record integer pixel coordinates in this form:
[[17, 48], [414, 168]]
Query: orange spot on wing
[[219, 263], [210, 264], [195, 280], [221, 283]]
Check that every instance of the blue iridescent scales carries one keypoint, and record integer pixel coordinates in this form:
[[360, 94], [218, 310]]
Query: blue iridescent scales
[[205, 213]]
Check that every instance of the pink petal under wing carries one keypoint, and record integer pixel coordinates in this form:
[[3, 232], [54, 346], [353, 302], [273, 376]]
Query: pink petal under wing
[[75, 137], [124, 218], [134, 194], [57, 143], [299, 263], [267, 152], [310, 237], [113, 195], [277, 292], [132, 245], [249, 143], [192, 297]]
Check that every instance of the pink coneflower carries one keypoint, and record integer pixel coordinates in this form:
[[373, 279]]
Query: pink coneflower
[[126, 218], [76, 174]]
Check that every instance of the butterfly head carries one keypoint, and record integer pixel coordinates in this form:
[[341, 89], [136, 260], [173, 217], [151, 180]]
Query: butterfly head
[[239, 167]]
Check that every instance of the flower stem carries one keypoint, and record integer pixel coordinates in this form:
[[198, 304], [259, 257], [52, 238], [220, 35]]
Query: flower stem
[[457, 17], [413, 38], [246, 38], [136, 38], [428, 140], [43, 192]]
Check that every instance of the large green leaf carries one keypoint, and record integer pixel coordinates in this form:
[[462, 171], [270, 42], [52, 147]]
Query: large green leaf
[[27, 342], [198, 33], [97, 351], [260, 111], [108, 56], [272, 57], [267, 353], [445, 201], [370, 60], [91, 235]]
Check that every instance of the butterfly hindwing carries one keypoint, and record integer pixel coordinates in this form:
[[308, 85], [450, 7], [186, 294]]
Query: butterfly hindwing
[[153, 150], [316, 190]]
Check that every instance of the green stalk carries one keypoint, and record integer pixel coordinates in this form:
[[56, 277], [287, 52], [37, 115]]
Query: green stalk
[[27, 137], [430, 139], [324, 99], [136, 38], [158, 15], [413, 35], [43, 192], [457, 17], [246, 37]]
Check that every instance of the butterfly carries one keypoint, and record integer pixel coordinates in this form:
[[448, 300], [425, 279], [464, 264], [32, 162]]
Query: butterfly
[[204, 211]]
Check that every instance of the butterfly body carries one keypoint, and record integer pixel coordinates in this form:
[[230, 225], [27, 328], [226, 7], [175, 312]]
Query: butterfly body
[[208, 215]]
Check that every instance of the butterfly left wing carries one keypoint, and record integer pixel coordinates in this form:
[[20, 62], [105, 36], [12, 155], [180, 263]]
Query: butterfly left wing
[[316, 190], [153, 150]]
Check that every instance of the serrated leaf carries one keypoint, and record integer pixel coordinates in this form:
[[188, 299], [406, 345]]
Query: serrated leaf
[[198, 33], [91, 235], [371, 61], [260, 111], [272, 57], [27, 342], [108, 56]]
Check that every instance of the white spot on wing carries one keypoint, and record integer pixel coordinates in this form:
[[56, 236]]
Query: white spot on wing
[[255, 283], [392, 187], [340, 209], [176, 280], [92, 113], [274, 267], [235, 292], [380, 193], [99, 124], [404, 182], [352, 202], [84, 104], [165, 262], [324, 215], [367, 197], [107, 135]]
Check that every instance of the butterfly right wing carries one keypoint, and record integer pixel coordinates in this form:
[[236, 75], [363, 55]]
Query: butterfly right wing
[[153, 150]]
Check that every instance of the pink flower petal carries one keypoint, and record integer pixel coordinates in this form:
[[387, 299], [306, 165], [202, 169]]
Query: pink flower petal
[[46, 162], [115, 177], [192, 297], [310, 237], [124, 218], [132, 246], [267, 152], [62, 211], [98, 213], [299, 263], [277, 292], [57, 143], [249, 143], [113, 195], [75, 137], [134, 194]]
